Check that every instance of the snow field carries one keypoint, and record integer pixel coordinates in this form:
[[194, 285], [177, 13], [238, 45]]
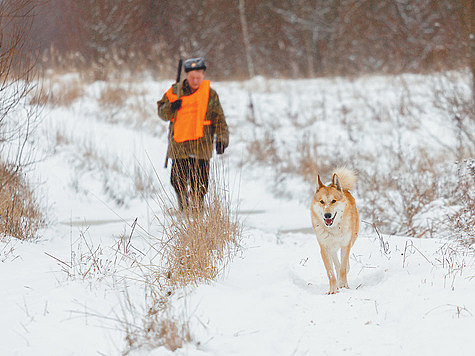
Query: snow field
[[410, 296]]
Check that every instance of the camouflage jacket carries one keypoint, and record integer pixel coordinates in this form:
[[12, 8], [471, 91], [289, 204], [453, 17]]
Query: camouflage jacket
[[201, 148]]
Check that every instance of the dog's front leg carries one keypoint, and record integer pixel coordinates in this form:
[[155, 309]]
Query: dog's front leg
[[345, 264], [330, 272]]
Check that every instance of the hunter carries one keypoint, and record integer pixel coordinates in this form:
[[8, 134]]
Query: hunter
[[197, 121]]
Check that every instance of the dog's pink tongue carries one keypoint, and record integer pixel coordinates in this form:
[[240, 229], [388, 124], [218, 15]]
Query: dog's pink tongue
[[328, 221]]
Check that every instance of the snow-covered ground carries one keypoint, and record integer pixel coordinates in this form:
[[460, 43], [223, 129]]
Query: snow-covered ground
[[407, 296]]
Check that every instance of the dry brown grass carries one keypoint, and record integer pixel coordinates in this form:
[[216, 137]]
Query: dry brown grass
[[41, 97], [200, 243], [263, 150], [110, 67], [158, 329], [121, 102], [66, 93], [20, 214], [113, 97]]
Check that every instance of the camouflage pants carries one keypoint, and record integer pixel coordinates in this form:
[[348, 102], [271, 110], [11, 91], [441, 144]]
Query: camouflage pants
[[189, 178]]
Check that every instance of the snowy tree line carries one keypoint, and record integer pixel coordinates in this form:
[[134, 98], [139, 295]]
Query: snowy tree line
[[287, 38]]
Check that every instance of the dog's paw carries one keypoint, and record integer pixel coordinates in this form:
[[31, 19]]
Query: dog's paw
[[343, 284]]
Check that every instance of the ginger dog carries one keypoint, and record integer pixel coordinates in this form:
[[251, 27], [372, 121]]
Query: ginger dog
[[335, 221]]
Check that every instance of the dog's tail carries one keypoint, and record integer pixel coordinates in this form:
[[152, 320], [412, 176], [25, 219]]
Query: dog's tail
[[347, 178]]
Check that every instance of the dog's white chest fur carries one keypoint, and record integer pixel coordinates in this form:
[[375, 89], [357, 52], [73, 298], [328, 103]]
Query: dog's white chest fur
[[333, 237]]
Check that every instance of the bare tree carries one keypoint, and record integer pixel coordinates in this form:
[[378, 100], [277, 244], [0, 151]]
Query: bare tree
[[16, 74], [245, 36], [466, 17]]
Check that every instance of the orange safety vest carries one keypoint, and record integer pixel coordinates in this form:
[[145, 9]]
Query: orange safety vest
[[190, 118]]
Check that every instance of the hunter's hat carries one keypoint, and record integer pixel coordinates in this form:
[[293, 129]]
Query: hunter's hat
[[194, 64]]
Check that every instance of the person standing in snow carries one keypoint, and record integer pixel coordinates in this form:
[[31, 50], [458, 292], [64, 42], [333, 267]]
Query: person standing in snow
[[197, 121]]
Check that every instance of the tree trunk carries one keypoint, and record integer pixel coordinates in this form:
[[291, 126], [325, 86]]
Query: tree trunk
[[245, 35]]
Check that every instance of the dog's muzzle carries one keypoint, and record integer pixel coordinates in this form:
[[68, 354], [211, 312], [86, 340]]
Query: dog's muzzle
[[329, 219]]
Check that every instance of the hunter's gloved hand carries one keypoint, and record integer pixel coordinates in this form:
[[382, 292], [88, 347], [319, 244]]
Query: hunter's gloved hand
[[176, 105], [220, 148]]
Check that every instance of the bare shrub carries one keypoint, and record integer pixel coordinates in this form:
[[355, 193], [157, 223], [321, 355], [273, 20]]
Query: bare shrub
[[151, 325], [420, 196], [452, 97], [306, 161], [462, 221], [398, 200], [18, 79], [20, 214]]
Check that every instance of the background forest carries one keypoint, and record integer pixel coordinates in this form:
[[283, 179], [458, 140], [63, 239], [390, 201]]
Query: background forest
[[285, 38]]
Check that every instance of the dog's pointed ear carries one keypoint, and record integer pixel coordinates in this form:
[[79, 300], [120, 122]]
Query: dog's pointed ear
[[320, 184], [336, 182]]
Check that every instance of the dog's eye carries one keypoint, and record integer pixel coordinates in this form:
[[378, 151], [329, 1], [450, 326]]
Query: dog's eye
[[333, 201], [322, 202]]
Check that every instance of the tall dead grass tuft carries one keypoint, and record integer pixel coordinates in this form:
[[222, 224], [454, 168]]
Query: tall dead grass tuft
[[201, 243], [20, 214]]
